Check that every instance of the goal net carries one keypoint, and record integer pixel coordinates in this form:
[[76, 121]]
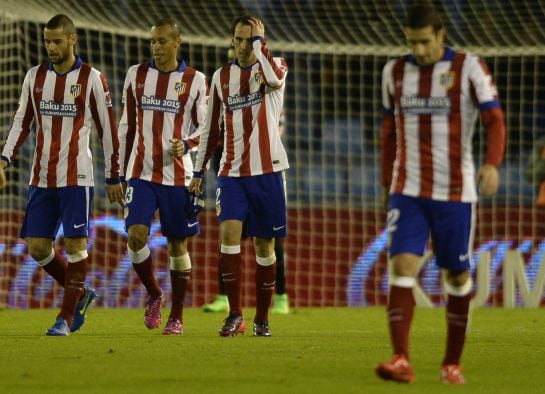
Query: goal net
[[335, 50]]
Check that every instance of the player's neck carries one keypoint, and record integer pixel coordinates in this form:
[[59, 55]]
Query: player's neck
[[65, 66], [168, 67]]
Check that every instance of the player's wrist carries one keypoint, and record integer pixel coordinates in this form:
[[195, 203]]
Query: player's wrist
[[113, 181], [198, 174], [4, 162]]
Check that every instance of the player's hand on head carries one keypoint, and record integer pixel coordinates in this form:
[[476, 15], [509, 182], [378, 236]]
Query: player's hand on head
[[488, 180], [195, 186], [258, 29], [115, 194]]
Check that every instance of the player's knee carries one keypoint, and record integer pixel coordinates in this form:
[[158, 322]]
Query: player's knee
[[263, 246], [39, 250], [177, 246], [457, 278], [136, 240], [137, 237]]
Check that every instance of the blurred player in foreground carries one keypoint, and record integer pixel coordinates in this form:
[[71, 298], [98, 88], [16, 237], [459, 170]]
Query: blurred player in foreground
[[62, 98], [431, 99], [247, 97], [164, 101], [281, 301]]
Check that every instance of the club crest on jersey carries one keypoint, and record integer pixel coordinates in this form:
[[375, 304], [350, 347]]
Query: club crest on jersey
[[179, 87], [75, 90], [258, 77], [447, 79], [108, 99]]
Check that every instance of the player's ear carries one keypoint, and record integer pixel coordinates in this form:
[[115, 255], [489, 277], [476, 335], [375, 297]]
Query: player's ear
[[441, 35], [72, 38]]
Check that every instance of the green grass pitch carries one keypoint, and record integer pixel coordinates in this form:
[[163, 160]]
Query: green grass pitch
[[313, 350]]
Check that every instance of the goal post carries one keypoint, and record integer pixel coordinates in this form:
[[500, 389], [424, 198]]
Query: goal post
[[335, 51]]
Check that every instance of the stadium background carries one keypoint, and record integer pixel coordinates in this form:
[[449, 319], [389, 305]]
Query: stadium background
[[335, 50]]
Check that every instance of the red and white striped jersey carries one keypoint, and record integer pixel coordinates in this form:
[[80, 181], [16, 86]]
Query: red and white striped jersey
[[249, 102], [429, 122], [62, 108], [158, 107]]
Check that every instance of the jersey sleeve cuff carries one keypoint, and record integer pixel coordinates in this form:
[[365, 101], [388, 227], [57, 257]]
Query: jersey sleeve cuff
[[198, 174], [113, 181], [6, 160]]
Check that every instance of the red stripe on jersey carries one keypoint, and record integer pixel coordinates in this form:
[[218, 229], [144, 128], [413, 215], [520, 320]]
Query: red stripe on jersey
[[73, 146], [455, 131], [397, 76], [37, 90], [247, 123], [425, 135], [187, 80], [140, 84], [56, 132], [229, 146], [264, 142], [157, 129]]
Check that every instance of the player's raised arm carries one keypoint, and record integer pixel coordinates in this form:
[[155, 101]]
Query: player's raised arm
[[274, 69]]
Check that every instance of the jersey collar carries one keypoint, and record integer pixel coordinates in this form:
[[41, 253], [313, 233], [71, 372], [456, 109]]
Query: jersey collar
[[181, 66], [76, 65], [448, 55]]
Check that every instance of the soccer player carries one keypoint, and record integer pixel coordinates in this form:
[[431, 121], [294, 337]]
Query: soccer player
[[281, 301], [431, 99], [61, 99], [247, 96], [164, 101]]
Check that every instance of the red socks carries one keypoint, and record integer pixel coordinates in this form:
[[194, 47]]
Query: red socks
[[179, 281], [400, 315], [73, 289], [230, 268], [56, 268], [265, 277], [457, 317], [145, 273]]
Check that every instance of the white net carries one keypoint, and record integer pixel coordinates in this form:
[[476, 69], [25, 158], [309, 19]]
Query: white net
[[335, 50]]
